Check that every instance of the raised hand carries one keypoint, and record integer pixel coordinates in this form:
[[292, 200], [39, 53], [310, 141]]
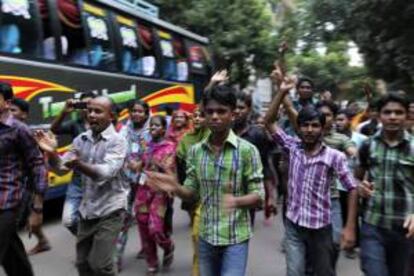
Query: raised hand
[[220, 77], [46, 141], [277, 74], [287, 84]]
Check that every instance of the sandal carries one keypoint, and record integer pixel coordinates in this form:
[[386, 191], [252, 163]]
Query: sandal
[[168, 257], [39, 248]]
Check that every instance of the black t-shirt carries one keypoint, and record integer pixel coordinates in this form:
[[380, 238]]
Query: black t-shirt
[[72, 128], [258, 137]]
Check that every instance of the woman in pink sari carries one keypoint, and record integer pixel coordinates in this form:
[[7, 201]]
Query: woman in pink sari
[[151, 205]]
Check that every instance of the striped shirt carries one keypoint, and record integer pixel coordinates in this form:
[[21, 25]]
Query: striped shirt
[[237, 170], [106, 155], [19, 157], [391, 169], [310, 178]]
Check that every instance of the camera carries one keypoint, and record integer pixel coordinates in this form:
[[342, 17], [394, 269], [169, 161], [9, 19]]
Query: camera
[[79, 105]]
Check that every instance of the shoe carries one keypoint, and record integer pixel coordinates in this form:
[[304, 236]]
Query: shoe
[[39, 248], [152, 271], [168, 257], [141, 254]]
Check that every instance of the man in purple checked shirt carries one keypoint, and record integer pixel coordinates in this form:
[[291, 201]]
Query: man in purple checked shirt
[[312, 167]]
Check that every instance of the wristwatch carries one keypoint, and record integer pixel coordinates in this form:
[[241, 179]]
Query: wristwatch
[[37, 210]]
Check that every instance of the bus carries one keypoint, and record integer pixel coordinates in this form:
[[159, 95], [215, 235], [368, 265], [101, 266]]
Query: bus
[[53, 50]]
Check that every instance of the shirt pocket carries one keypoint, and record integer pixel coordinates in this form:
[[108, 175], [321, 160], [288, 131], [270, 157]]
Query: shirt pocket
[[405, 167]]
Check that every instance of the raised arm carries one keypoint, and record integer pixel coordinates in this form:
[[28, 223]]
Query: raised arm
[[272, 114], [56, 125], [220, 77]]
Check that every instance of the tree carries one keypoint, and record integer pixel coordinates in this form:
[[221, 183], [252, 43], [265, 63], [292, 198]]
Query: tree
[[382, 29], [237, 29], [320, 47]]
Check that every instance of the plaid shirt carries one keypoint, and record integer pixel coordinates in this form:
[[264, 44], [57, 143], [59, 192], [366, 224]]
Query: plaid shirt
[[310, 179], [391, 169], [237, 170], [20, 157], [339, 142]]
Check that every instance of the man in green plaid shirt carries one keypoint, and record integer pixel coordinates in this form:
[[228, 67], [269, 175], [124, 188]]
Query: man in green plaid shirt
[[387, 172], [225, 173]]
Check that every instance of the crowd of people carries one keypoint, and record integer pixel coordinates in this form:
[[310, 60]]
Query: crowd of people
[[345, 177]]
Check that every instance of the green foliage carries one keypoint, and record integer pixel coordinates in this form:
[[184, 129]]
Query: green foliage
[[382, 29], [237, 29], [316, 23]]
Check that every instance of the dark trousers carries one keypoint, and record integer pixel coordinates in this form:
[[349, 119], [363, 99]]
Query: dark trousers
[[385, 252], [13, 256], [95, 247], [315, 244]]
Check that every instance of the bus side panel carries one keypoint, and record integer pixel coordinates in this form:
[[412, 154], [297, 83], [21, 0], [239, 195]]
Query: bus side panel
[[46, 87]]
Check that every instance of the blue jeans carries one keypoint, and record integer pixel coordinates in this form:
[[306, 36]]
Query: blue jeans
[[229, 260], [384, 252], [70, 216], [312, 247], [336, 218]]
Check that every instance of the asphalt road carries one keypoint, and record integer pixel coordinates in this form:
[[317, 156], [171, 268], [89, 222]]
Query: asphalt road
[[265, 256]]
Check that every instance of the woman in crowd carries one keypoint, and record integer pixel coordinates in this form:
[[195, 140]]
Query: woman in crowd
[[137, 135], [151, 205], [199, 133]]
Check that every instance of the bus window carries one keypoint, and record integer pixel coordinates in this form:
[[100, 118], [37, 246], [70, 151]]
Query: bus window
[[74, 48], [19, 27], [100, 48], [169, 65], [128, 40], [148, 61], [198, 57], [182, 65]]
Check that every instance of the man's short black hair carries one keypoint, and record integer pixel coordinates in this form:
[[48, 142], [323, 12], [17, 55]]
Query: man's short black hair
[[144, 105], [87, 95], [310, 113], [244, 97], [223, 94], [6, 91], [21, 104], [331, 105], [304, 79], [392, 97]]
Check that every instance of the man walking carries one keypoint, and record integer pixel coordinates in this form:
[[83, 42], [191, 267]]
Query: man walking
[[98, 155], [386, 171], [312, 166], [19, 154], [225, 173]]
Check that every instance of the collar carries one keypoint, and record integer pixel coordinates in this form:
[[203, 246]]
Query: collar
[[231, 139], [9, 120], [406, 137], [320, 151], [145, 127], [105, 135]]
